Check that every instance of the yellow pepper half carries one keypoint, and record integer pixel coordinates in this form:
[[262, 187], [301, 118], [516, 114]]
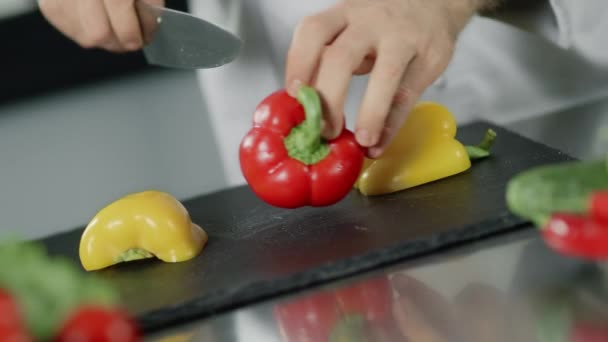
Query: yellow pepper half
[[424, 150], [141, 225]]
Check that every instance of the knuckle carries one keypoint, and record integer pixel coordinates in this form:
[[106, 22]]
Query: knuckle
[[392, 69], [312, 24], [130, 38], [402, 96], [380, 11], [96, 37], [384, 13], [54, 13], [47, 7], [412, 40], [401, 42], [437, 58], [338, 54], [430, 59], [116, 3]]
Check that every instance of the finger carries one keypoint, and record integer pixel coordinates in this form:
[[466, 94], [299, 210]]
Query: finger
[[309, 39], [420, 73], [125, 23], [485, 309], [95, 29], [149, 21], [383, 84], [401, 104], [66, 22], [52, 12], [429, 303], [115, 46], [413, 324], [336, 68]]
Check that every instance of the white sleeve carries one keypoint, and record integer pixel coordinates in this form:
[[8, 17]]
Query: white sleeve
[[575, 26], [583, 28], [223, 13], [543, 20]]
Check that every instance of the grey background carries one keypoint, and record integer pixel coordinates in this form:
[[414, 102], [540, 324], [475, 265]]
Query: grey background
[[65, 155]]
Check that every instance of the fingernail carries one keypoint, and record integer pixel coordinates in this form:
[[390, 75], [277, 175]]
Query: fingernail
[[375, 152], [323, 125], [132, 45], [293, 87], [328, 133], [400, 283], [363, 137], [325, 131]]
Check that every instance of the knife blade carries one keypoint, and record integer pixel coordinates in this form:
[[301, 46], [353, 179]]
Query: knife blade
[[177, 39]]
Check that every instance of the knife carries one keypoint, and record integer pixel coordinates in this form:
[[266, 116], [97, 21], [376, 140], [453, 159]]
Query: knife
[[176, 39]]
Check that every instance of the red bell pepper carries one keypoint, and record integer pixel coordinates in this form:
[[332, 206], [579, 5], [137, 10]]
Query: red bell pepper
[[581, 235], [12, 325], [361, 309], [311, 318], [589, 332], [372, 298], [287, 163], [598, 206], [577, 235], [99, 324]]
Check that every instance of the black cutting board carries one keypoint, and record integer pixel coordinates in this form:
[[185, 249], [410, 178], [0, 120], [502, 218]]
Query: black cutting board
[[256, 251]]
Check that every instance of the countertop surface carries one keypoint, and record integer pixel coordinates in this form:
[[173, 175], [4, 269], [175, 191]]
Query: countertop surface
[[256, 251], [503, 288]]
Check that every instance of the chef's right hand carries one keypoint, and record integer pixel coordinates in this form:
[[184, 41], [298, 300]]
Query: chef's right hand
[[478, 313], [108, 24]]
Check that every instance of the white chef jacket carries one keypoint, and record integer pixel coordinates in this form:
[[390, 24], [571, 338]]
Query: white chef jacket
[[502, 70]]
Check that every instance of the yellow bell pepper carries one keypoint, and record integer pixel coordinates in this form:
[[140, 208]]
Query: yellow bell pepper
[[141, 225], [183, 337], [424, 150]]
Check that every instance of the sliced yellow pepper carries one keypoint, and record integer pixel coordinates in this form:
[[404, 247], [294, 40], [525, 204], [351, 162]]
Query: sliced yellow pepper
[[141, 225], [424, 150]]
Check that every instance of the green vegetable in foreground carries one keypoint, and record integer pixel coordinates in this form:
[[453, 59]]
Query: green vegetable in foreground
[[565, 187], [48, 288]]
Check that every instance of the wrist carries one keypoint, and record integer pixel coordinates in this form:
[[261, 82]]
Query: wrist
[[461, 11]]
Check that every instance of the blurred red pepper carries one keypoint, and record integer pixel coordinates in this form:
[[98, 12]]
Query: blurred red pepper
[[311, 318], [371, 298], [577, 235], [12, 326], [285, 160], [581, 235], [589, 332], [99, 324], [337, 315], [598, 206]]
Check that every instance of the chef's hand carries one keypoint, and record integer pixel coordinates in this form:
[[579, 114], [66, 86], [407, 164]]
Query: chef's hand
[[405, 44], [108, 24], [478, 313]]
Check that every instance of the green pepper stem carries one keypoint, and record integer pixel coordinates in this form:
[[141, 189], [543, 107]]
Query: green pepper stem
[[304, 142], [349, 328], [134, 254], [482, 149], [488, 140], [309, 99]]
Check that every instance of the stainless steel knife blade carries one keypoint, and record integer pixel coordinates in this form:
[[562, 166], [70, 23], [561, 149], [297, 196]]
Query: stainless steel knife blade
[[176, 39]]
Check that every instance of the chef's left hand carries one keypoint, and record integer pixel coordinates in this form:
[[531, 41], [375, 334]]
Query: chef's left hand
[[478, 313], [405, 44]]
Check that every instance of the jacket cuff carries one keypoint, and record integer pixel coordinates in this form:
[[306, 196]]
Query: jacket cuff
[[548, 20]]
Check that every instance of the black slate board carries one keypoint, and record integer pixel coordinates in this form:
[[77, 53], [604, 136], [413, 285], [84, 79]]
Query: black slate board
[[256, 251]]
